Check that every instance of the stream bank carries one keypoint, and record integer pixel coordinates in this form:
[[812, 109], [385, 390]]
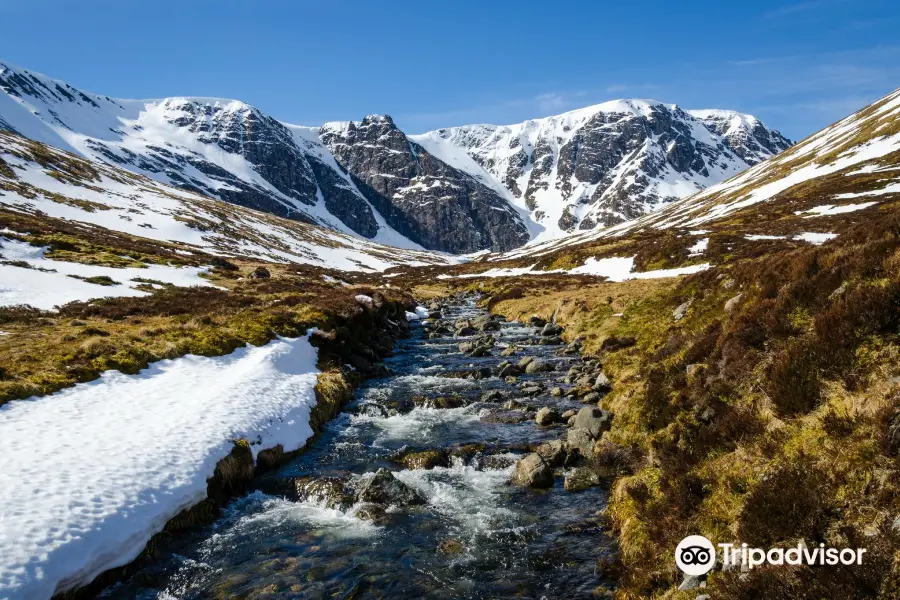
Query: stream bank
[[456, 475]]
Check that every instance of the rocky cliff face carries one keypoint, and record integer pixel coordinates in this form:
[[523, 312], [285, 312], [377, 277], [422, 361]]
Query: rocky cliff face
[[427, 200], [607, 163]]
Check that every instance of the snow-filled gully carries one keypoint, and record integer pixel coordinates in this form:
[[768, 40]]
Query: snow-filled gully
[[452, 528]]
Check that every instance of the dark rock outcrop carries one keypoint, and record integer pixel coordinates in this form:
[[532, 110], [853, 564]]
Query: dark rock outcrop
[[420, 196]]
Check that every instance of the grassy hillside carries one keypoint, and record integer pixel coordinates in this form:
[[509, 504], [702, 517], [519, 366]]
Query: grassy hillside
[[768, 413]]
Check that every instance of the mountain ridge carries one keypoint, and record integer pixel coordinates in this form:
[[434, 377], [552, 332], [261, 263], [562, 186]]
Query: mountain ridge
[[640, 155], [409, 191]]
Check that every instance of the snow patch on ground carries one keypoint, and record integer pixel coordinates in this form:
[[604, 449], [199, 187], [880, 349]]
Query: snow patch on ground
[[616, 268], [699, 247], [754, 237], [831, 209], [46, 289], [129, 452], [815, 238], [894, 188]]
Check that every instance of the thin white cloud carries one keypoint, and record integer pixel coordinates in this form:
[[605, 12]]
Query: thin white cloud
[[800, 7]]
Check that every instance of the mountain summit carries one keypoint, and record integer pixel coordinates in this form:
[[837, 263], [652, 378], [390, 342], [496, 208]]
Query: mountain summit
[[607, 163]]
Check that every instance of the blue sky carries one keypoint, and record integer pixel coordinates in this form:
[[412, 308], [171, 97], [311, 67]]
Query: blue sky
[[797, 65]]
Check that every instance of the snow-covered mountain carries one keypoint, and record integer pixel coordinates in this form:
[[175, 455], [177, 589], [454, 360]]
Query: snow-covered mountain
[[811, 192], [456, 190], [607, 163], [39, 180], [232, 151], [224, 149]]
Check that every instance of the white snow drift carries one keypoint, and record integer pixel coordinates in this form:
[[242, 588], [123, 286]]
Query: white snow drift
[[89, 474], [615, 268]]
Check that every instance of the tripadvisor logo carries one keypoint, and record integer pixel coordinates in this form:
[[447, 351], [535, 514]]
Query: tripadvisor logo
[[696, 555]]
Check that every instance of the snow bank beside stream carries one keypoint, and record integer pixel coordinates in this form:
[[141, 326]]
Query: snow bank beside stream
[[90, 473]]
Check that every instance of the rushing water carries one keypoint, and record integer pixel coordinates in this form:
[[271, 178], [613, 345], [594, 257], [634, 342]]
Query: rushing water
[[476, 537]]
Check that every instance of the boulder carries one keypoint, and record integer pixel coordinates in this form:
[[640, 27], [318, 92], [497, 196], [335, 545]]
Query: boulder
[[512, 405], [681, 310], [372, 512], [524, 362], [509, 417], [510, 379], [533, 471], [260, 273], [602, 383], [480, 351], [536, 321], [510, 371], [569, 414], [581, 440], [733, 303], [491, 396], [556, 391], [594, 420], [490, 326], [546, 416], [447, 402], [466, 452], [482, 373], [554, 340], [466, 347], [580, 478], [332, 492], [551, 329], [485, 340], [591, 398], [690, 582], [554, 453], [509, 351], [451, 547], [426, 459], [384, 488], [466, 331], [538, 366], [584, 380], [573, 348]]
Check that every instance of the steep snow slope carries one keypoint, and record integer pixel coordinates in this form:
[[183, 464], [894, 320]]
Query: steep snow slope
[[35, 177], [745, 134], [607, 163]]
